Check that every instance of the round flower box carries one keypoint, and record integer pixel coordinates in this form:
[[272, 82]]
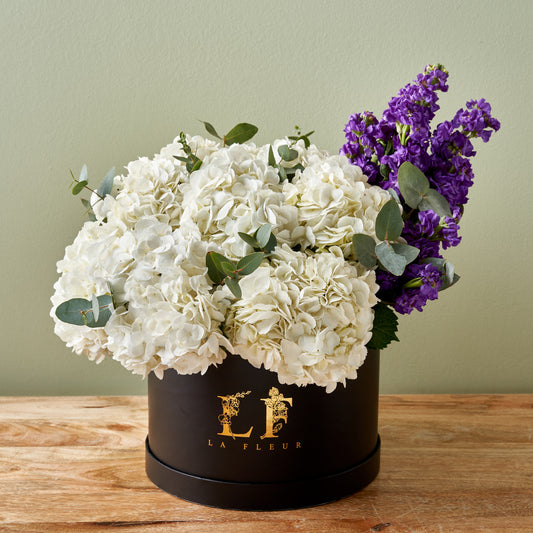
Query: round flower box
[[236, 438]]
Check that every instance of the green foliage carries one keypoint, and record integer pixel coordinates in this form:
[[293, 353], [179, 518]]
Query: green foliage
[[288, 155], [389, 223], [393, 262], [237, 135], [415, 189], [82, 182], [192, 162], [107, 184], [384, 328], [224, 271], [447, 270], [240, 134], [301, 136], [81, 312], [365, 249]]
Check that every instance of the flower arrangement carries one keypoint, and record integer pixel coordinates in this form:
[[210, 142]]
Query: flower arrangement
[[281, 254]]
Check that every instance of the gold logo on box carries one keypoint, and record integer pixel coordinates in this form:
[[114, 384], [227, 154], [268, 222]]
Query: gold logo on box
[[276, 417]]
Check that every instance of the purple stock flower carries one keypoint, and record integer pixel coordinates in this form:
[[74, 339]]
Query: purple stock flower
[[403, 134]]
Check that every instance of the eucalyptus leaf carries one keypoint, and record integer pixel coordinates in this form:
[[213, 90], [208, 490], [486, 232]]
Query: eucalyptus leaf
[[412, 183], [271, 244], [233, 286], [79, 311], [73, 311], [365, 249], [249, 263], [409, 252], [79, 187], [216, 260], [227, 268], [248, 239], [390, 260], [394, 195], [282, 174], [446, 285], [435, 202], [107, 184], [212, 270], [286, 153], [271, 158], [384, 171], [435, 261], [240, 134], [211, 130], [263, 235], [384, 327], [389, 223], [83, 174]]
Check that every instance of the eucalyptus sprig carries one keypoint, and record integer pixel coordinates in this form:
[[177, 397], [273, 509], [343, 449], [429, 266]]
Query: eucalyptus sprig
[[192, 162], [262, 240], [392, 255], [239, 134], [81, 312], [301, 136], [82, 182], [418, 194], [224, 271], [288, 155]]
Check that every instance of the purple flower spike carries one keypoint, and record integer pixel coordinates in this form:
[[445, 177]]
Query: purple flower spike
[[444, 155]]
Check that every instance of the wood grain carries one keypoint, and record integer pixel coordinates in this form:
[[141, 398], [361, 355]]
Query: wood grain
[[450, 463]]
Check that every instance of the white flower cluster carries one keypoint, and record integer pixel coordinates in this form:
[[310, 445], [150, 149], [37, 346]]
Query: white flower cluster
[[305, 314]]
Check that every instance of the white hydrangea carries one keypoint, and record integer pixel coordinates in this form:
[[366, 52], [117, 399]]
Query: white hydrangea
[[306, 315], [334, 201]]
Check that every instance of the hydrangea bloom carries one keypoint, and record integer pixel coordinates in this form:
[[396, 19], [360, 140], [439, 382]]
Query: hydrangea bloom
[[305, 314]]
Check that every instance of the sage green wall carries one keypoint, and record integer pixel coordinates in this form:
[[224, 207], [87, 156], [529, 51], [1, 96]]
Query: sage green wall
[[104, 82]]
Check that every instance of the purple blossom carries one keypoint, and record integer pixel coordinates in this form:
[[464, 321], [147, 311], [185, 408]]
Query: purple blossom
[[402, 134]]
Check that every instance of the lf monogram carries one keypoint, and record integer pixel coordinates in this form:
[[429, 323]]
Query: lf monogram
[[276, 413]]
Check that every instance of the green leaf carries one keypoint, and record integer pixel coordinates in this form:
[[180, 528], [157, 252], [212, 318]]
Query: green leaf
[[365, 249], [83, 174], [412, 183], [107, 184], [227, 268], [435, 261], [79, 311], [271, 244], [73, 311], [390, 260], [384, 171], [389, 223], [263, 235], [271, 158], [212, 270], [282, 174], [79, 187], [211, 130], [384, 328], [248, 239], [446, 284], [182, 159], [233, 286], [194, 163], [436, 202], [221, 263], [249, 263], [240, 134], [409, 252], [286, 153]]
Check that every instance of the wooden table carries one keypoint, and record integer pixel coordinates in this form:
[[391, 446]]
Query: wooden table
[[449, 464]]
